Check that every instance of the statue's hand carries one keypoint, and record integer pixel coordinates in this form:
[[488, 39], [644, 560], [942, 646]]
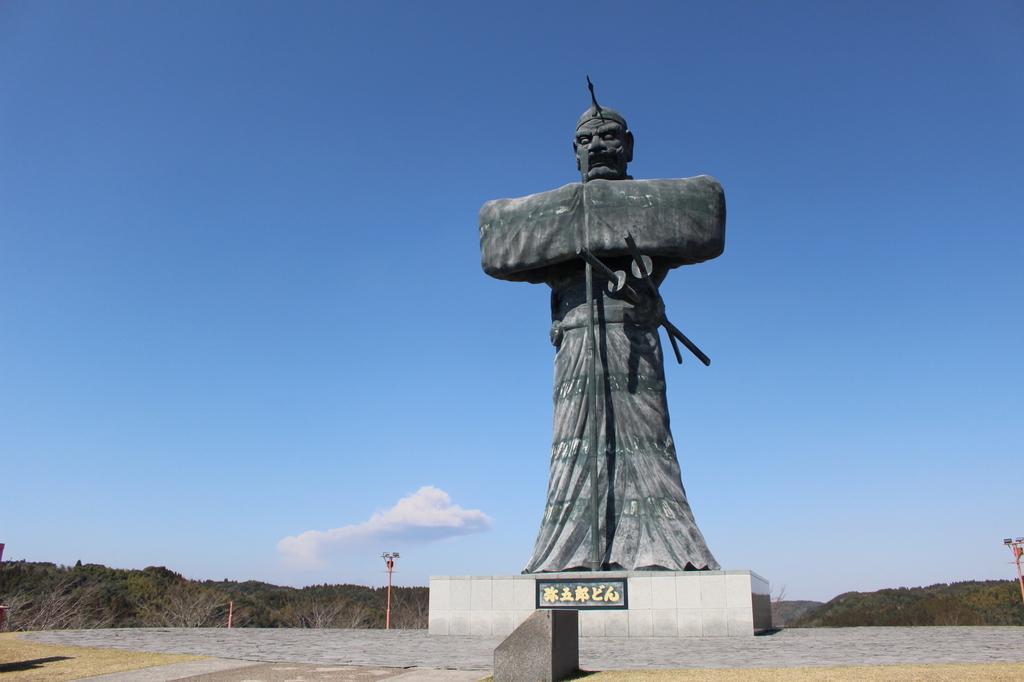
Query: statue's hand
[[648, 312], [556, 334]]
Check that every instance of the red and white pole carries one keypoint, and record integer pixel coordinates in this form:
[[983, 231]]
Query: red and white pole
[[391, 567], [231, 613], [1017, 547], [3, 609], [389, 560], [1017, 552]]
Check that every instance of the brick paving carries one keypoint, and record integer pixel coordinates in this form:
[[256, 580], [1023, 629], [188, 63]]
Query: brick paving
[[415, 648], [227, 670]]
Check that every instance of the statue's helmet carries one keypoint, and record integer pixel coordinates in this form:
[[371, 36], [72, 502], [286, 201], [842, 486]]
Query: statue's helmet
[[600, 114]]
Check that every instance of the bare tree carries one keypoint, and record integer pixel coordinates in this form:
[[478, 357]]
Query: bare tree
[[409, 609], [317, 613], [356, 615], [60, 607], [335, 613], [780, 617], [185, 606], [14, 602]]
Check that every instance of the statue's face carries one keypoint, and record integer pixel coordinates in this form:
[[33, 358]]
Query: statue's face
[[608, 146]]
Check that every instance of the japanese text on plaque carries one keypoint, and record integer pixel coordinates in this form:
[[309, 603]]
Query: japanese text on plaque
[[577, 594]]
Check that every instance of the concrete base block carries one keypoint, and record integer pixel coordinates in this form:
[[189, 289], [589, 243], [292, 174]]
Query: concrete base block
[[545, 648], [660, 604]]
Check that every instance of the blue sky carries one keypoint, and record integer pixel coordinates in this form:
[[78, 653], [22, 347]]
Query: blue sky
[[241, 299]]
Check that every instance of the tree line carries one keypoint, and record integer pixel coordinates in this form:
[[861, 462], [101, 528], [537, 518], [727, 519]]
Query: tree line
[[973, 602], [46, 596]]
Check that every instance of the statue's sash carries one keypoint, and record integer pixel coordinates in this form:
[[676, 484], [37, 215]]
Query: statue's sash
[[678, 221]]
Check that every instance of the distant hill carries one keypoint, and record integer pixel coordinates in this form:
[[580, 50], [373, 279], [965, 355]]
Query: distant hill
[[786, 612], [44, 596], [991, 602]]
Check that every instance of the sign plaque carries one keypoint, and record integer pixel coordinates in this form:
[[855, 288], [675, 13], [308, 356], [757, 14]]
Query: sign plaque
[[582, 593]]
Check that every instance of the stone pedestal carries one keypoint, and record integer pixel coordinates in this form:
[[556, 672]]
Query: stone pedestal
[[660, 604], [545, 648]]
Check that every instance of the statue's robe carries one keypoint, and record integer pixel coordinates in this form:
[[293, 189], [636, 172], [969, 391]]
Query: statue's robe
[[645, 521]]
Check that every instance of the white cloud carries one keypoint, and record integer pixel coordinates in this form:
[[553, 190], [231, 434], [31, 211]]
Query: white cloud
[[428, 514]]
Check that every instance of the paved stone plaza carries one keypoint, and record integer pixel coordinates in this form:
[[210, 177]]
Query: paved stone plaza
[[415, 648]]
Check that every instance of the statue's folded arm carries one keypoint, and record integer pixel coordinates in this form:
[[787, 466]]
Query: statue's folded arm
[[678, 221]]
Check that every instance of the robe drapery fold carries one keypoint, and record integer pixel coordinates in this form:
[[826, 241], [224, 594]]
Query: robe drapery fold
[[644, 521], [680, 222]]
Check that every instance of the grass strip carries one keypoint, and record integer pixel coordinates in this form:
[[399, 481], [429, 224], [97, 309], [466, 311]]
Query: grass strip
[[23, 660]]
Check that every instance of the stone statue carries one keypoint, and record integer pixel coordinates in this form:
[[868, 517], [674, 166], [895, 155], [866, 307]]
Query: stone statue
[[609, 392]]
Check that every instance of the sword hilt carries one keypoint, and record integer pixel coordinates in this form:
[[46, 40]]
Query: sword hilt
[[616, 278], [670, 329]]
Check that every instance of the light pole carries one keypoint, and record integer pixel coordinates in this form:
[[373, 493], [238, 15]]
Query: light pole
[[389, 560], [1017, 547], [3, 609]]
